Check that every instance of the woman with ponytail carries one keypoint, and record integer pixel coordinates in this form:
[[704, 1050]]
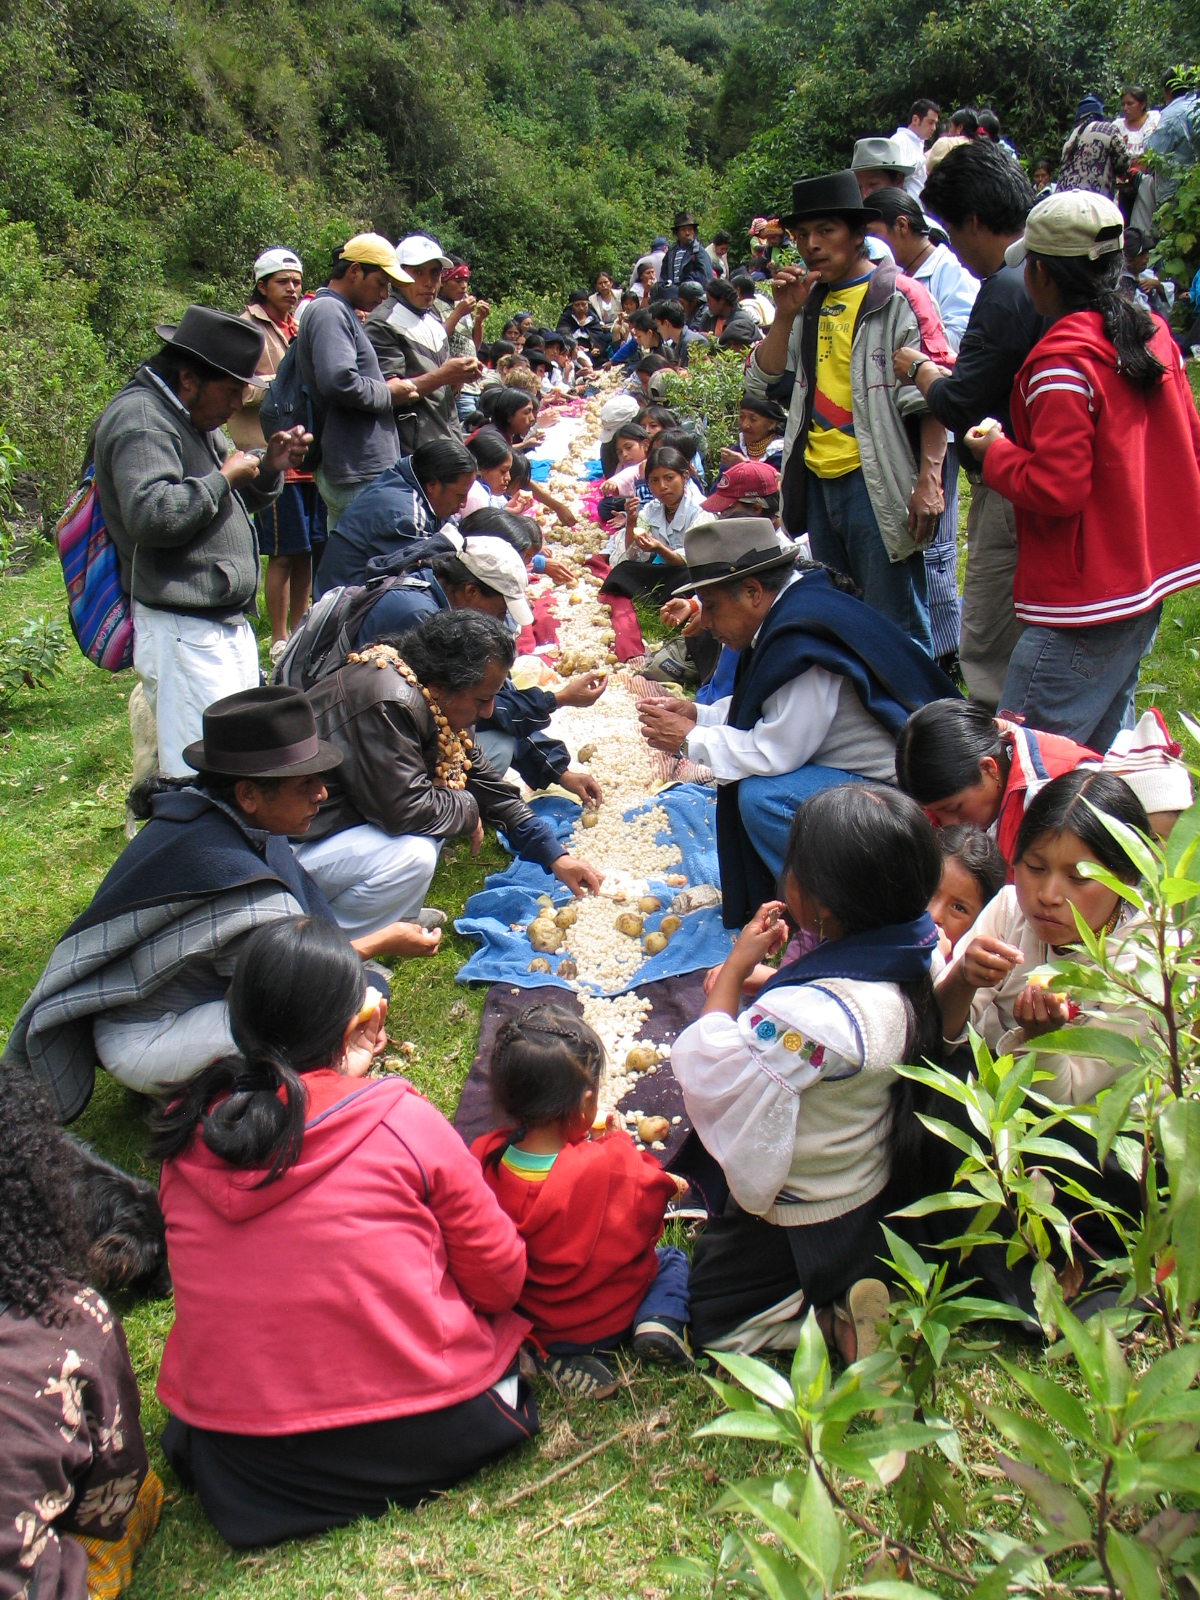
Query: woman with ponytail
[[344, 1335], [1104, 475]]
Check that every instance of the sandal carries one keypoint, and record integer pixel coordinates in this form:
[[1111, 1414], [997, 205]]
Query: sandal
[[580, 1377], [857, 1319]]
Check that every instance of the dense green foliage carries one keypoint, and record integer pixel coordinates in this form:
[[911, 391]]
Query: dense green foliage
[[150, 148]]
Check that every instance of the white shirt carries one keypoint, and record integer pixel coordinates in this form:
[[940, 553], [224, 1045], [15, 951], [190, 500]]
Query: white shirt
[[953, 289], [1136, 137], [914, 145]]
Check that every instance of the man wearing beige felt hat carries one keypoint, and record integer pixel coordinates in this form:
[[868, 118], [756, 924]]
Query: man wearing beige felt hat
[[822, 686]]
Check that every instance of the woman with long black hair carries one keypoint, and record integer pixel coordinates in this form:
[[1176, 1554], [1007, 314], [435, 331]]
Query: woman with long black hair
[[796, 1097], [1104, 476], [344, 1335]]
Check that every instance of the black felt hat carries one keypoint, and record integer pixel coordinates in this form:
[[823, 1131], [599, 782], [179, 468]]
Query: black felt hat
[[683, 219], [268, 732], [836, 194], [220, 340]]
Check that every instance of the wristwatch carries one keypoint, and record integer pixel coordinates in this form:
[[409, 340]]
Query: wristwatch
[[915, 367]]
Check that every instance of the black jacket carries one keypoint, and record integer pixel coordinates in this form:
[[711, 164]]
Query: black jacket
[[1002, 329]]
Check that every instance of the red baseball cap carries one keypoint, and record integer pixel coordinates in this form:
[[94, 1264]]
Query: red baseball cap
[[743, 481]]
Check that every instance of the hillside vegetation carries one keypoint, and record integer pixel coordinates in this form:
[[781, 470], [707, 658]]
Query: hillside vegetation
[[150, 148]]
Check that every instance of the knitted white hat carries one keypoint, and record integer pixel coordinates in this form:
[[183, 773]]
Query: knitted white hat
[[1147, 758]]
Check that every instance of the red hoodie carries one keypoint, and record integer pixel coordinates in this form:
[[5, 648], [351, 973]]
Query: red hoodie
[[374, 1279], [590, 1227], [1104, 477]]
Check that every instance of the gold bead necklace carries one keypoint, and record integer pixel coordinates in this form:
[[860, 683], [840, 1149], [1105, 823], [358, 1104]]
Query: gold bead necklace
[[453, 763]]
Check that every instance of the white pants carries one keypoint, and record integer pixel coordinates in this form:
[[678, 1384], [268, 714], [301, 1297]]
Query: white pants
[[369, 877], [164, 1050], [185, 663]]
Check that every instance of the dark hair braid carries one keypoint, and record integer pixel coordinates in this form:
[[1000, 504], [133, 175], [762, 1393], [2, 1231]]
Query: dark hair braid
[[1092, 286]]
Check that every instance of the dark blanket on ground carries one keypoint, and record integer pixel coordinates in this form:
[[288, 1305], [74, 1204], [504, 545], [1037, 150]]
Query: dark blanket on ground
[[676, 1002]]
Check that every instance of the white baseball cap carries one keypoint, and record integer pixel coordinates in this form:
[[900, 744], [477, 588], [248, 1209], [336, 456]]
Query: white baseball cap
[[615, 413], [494, 562], [276, 259], [418, 248], [1074, 223]]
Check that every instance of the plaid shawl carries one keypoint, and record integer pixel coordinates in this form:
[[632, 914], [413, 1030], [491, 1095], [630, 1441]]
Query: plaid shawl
[[117, 962]]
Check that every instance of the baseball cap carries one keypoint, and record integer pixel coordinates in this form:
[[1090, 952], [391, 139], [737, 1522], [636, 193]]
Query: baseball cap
[[495, 562], [1075, 223], [373, 250], [276, 259], [417, 249], [615, 413], [743, 481]]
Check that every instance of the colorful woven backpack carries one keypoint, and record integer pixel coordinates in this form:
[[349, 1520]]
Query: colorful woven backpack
[[100, 610]]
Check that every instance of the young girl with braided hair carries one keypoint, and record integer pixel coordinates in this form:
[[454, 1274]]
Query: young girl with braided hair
[[588, 1204]]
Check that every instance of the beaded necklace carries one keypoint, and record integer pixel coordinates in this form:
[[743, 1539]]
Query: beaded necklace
[[452, 765]]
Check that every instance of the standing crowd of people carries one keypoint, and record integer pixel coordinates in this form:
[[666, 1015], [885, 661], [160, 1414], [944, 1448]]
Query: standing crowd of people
[[909, 851]]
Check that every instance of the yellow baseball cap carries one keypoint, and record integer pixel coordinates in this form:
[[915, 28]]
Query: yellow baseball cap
[[373, 250]]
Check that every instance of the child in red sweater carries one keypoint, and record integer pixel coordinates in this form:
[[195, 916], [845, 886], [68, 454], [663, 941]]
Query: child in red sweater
[[588, 1204]]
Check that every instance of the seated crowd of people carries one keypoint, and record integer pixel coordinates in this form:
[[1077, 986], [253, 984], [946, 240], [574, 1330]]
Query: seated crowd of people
[[908, 852]]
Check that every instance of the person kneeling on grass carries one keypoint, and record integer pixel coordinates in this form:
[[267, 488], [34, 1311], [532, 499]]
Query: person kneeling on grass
[[139, 981], [77, 1497], [344, 1336], [588, 1204], [823, 685], [398, 711], [797, 1097]]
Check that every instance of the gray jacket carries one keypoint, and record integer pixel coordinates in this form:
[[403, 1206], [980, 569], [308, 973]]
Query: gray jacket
[[886, 412], [409, 344], [340, 369], [185, 538]]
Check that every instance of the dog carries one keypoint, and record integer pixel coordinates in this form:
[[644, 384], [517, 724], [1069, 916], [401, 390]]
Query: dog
[[123, 1223]]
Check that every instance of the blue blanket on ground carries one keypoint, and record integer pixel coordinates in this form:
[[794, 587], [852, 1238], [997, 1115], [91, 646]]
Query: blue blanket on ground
[[511, 896]]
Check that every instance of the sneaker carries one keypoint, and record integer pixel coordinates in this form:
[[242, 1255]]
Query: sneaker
[[429, 918], [580, 1377], [664, 1341], [277, 649], [864, 1308]]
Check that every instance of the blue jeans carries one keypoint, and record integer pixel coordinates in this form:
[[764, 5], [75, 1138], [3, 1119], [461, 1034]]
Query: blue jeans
[[767, 806], [941, 566], [843, 533], [1079, 682], [667, 1296]]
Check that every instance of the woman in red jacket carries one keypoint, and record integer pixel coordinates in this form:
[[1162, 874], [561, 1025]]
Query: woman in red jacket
[[344, 1338], [1104, 476]]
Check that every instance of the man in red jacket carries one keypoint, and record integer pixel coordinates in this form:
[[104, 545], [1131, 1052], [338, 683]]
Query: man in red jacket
[[1104, 473]]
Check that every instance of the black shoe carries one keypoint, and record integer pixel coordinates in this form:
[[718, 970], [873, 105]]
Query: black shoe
[[664, 1341], [580, 1377]]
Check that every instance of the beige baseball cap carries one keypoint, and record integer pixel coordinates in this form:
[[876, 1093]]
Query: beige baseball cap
[[373, 250], [1076, 223], [494, 562]]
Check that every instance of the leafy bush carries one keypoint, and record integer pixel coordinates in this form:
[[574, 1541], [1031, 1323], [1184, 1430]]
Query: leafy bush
[[30, 659], [711, 389]]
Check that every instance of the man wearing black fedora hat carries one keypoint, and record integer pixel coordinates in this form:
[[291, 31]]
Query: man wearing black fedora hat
[[177, 499], [862, 455], [686, 261], [822, 687], [138, 982]]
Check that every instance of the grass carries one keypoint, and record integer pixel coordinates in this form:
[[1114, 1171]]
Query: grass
[[64, 767]]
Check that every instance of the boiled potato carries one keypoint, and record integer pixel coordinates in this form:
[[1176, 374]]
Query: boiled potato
[[649, 903], [630, 924], [641, 1057], [669, 925], [654, 943]]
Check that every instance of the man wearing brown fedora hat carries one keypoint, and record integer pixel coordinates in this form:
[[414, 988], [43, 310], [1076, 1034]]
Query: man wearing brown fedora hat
[[139, 981], [177, 499], [821, 690], [862, 455]]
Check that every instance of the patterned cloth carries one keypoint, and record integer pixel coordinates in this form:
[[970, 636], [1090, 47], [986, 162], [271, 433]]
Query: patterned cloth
[[119, 962], [110, 1561], [1096, 157]]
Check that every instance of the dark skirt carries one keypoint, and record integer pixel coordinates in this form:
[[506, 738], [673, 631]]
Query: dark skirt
[[260, 1490], [743, 1266], [656, 579], [289, 526]]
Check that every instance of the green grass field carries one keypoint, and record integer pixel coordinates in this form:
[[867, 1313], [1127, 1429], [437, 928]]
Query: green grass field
[[64, 767]]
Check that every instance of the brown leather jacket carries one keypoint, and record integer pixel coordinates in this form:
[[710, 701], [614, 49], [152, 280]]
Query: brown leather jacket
[[388, 740]]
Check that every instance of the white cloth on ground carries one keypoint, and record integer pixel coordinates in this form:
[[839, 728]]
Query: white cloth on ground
[[158, 1052], [185, 663], [369, 877]]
